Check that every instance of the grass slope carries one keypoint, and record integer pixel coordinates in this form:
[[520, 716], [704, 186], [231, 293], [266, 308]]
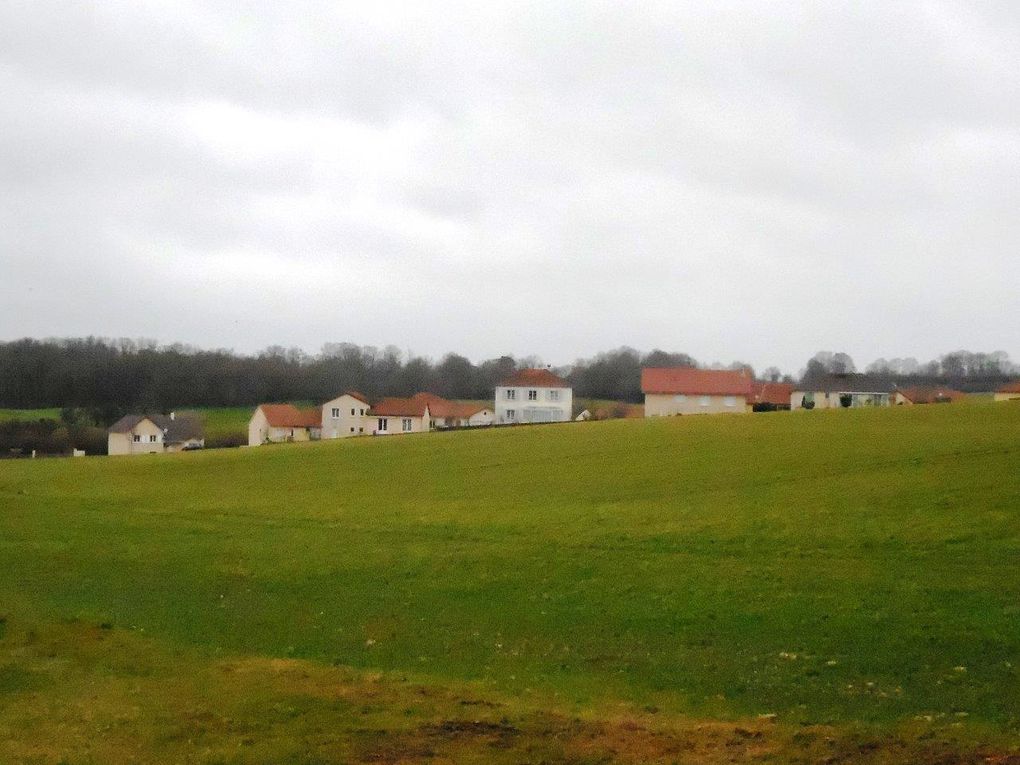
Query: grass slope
[[831, 568]]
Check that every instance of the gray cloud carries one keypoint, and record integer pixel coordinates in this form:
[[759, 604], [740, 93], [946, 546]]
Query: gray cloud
[[732, 180]]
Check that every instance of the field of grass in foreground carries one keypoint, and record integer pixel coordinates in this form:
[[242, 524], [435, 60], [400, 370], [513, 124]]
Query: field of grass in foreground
[[631, 590]]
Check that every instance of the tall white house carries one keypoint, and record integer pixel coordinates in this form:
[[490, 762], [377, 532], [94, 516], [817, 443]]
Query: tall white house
[[344, 416], [534, 395]]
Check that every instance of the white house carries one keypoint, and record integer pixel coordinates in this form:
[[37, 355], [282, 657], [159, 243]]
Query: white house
[[534, 395], [344, 416], [154, 434], [283, 422], [843, 390]]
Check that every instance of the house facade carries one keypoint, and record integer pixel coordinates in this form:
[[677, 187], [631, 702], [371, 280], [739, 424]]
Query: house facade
[[1008, 392], [278, 423], [344, 416], [533, 395], [397, 415], [842, 391], [154, 434], [685, 390]]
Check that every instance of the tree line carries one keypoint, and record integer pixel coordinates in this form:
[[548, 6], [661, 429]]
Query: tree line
[[111, 377]]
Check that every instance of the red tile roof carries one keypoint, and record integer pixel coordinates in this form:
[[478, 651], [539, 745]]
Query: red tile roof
[[398, 407], [440, 407], [289, 416], [534, 378], [921, 395], [695, 382], [773, 393], [1013, 387]]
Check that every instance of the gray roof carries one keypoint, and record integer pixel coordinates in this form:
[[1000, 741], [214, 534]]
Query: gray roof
[[179, 428], [853, 382]]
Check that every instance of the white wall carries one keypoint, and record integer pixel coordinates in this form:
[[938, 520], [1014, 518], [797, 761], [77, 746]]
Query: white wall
[[395, 425], [124, 443], [665, 405], [351, 420], [549, 405]]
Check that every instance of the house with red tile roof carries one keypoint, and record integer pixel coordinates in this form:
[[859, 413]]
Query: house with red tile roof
[[1008, 392], [398, 415], [272, 423], [926, 395], [687, 390], [534, 395], [344, 416], [771, 396], [455, 414]]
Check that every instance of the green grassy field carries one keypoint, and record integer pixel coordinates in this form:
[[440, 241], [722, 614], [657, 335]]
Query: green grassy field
[[29, 414], [798, 586]]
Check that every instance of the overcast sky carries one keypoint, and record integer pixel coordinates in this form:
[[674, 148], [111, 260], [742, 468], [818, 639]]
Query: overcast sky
[[752, 181]]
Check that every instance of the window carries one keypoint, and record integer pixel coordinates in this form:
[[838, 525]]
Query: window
[[383, 422], [705, 401], [532, 395], [405, 424], [730, 401], [152, 439], [511, 394], [137, 439], [362, 411], [554, 395], [352, 430], [679, 398], [510, 414], [336, 413]]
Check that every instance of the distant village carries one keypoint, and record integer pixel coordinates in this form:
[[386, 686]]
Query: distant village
[[534, 396]]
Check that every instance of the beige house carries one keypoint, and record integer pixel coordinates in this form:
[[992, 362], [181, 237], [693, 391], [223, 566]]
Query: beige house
[[454, 414], [1008, 392], [276, 423], [398, 415], [534, 395], [842, 391], [685, 390], [154, 434], [344, 416]]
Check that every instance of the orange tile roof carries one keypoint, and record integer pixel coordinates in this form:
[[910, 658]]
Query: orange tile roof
[[1013, 387], [535, 378], [923, 395], [398, 407], [441, 407], [773, 393], [289, 416], [695, 382]]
